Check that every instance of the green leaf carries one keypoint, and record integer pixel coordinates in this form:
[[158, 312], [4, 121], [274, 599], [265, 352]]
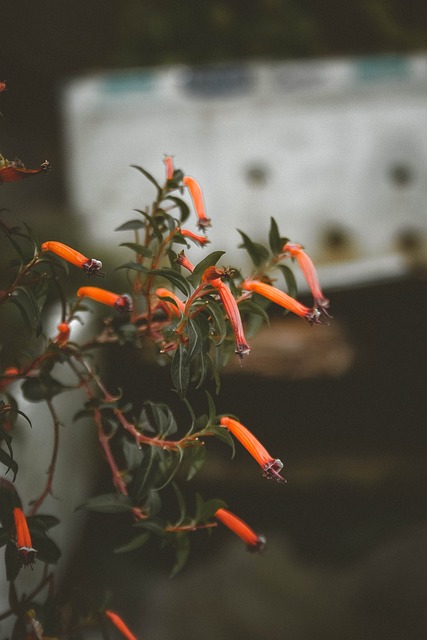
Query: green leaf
[[135, 266], [210, 261], [197, 458], [131, 225], [5, 535], [276, 242], [181, 505], [175, 278], [8, 462], [138, 248], [209, 508], [133, 544], [149, 177], [223, 434], [290, 279], [13, 565], [180, 371], [217, 314], [108, 503], [182, 551], [146, 473], [183, 207], [162, 417], [24, 299], [44, 387], [251, 308], [41, 523], [195, 339], [47, 550], [258, 253]]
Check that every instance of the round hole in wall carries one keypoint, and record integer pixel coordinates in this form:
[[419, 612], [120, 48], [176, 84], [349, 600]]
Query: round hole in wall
[[335, 238], [257, 175], [401, 174], [409, 240]]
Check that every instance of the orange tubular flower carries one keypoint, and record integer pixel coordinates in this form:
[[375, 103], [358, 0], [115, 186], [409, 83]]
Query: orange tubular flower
[[282, 299], [182, 260], [197, 198], [271, 467], [90, 265], [2, 86], [309, 271], [119, 302], [202, 240], [175, 309], [13, 171], [121, 626], [213, 276], [26, 553], [168, 160], [241, 529]]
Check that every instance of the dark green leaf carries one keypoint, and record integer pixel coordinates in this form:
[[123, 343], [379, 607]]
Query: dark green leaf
[[44, 387], [42, 523], [258, 253], [135, 266], [24, 299], [47, 550], [197, 457], [183, 207], [210, 260], [209, 508], [133, 544], [180, 371], [275, 240], [195, 339], [5, 535], [175, 278], [12, 562], [149, 177], [217, 314], [108, 503], [9, 462], [181, 505], [146, 473], [131, 225], [138, 248], [182, 551], [223, 434], [290, 280]]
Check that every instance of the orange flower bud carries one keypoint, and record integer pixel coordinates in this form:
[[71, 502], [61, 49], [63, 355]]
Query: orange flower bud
[[120, 625], [90, 265], [270, 466], [2, 86], [168, 160], [197, 198], [13, 171], [309, 272], [182, 260], [24, 545], [241, 529], [282, 299], [64, 333], [119, 302]]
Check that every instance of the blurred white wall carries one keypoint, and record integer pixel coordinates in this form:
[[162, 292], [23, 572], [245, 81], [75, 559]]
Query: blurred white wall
[[335, 150]]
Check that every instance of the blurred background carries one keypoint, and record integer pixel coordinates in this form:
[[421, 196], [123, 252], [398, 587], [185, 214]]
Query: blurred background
[[314, 113]]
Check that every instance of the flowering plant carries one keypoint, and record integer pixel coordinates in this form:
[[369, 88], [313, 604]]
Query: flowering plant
[[197, 316]]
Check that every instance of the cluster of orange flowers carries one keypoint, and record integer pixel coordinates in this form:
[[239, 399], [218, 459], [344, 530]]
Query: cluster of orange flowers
[[213, 280]]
